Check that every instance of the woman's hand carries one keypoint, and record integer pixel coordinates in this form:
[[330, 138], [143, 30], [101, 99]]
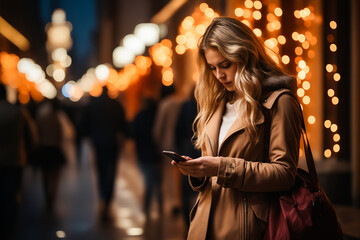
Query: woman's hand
[[205, 166]]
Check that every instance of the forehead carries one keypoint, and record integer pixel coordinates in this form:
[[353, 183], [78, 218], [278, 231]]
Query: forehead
[[213, 56]]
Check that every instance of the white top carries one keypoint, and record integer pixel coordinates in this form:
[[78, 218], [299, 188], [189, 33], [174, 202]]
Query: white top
[[227, 121]]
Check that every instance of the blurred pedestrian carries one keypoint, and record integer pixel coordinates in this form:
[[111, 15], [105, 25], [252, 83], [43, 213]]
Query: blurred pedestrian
[[104, 122], [12, 161], [50, 156], [148, 157], [164, 136], [185, 146]]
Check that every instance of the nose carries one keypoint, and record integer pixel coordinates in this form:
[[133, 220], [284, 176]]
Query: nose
[[219, 74]]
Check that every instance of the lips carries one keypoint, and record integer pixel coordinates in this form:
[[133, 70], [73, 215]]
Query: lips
[[226, 83]]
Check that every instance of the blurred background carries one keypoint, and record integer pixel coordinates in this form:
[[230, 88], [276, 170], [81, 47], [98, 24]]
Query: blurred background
[[94, 90]]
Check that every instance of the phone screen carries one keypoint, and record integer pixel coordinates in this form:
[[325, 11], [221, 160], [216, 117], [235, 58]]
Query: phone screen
[[174, 156]]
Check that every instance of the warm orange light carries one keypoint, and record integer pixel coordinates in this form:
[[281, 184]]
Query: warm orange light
[[311, 54], [112, 75], [327, 153], [302, 64], [247, 13], [269, 27], [300, 92], [307, 70], [301, 38], [257, 15], [203, 7], [180, 49], [281, 39], [24, 97], [335, 100], [270, 17], [329, 68], [166, 43], [257, 5], [191, 43], [187, 22], [305, 44], [336, 137], [306, 85], [333, 24], [295, 36], [285, 59], [333, 47], [313, 41], [257, 32], [337, 77], [209, 12], [167, 62], [311, 119], [96, 90], [297, 59], [239, 12], [331, 92], [278, 11], [181, 39], [298, 51], [200, 29], [333, 128], [246, 22], [248, 4], [327, 123], [143, 62], [276, 24], [336, 148], [301, 75], [123, 82], [306, 100]]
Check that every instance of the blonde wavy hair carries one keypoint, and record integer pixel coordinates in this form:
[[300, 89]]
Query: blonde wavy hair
[[237, 43]]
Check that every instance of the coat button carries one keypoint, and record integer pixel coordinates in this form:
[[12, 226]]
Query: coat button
[[265, 100]]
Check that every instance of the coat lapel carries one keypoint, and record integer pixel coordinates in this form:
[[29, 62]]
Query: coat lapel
[[212, 127], [238, 125]]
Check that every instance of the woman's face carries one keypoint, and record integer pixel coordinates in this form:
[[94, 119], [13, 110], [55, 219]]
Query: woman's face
[[223, 69]]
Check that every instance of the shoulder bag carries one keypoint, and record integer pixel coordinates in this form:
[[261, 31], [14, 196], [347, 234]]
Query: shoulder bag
[[303, 212]]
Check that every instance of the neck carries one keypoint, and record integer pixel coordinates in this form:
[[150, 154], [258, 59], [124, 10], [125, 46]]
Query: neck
[[231, 97]]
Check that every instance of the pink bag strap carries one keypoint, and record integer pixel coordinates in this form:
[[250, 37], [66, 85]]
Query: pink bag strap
[[314, 184], [309, 158]]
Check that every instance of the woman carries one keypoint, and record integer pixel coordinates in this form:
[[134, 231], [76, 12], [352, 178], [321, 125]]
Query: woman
[[248, 129]]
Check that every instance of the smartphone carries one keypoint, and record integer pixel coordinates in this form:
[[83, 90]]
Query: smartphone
[[174, 156]]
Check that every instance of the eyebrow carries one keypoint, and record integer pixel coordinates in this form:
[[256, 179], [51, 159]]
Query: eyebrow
[[219, 62]]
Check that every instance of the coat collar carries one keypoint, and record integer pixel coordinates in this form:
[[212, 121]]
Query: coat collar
[[212, 128], [272, 88]]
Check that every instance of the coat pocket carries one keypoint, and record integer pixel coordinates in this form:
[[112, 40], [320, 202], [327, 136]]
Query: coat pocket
[[260, 210], [258, 213]]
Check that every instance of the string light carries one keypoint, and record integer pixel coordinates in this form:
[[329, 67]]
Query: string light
[[327, 123]]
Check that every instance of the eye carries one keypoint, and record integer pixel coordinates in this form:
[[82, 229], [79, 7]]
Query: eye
[[212, 68], [226, 65]]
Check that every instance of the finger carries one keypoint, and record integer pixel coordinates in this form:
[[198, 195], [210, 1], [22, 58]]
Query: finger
[[191, 162]]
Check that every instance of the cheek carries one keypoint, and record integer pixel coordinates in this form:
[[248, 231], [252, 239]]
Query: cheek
[[232, 73]]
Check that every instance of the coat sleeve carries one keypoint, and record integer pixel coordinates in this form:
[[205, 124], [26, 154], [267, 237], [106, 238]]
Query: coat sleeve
[[279, 173]]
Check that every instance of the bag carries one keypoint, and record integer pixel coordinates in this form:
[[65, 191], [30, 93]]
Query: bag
[[303, 212]]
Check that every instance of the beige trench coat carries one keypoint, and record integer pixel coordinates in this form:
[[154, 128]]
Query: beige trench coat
[[235, 203]]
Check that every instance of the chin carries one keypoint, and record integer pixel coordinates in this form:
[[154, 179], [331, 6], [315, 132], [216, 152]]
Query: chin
[[230, 89]]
